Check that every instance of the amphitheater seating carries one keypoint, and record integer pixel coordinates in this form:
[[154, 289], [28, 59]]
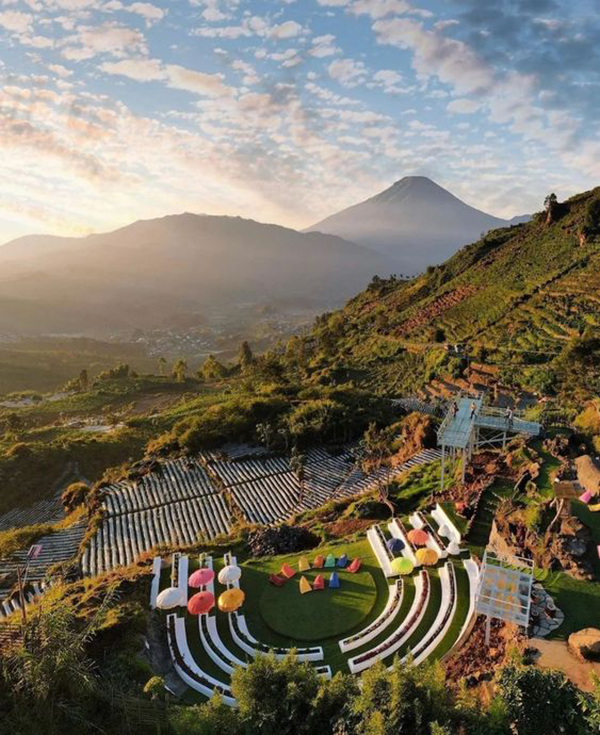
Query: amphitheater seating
[[154, 587], [387, 616], [395, 640], [434, 541], [383, 555], [443, 519], [397, 530]]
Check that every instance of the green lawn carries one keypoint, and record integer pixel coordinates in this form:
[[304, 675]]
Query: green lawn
[[317, 615]]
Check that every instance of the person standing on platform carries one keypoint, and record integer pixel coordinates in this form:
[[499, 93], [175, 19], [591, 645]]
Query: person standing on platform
[[473, 409], [509, 417], [454, 408]]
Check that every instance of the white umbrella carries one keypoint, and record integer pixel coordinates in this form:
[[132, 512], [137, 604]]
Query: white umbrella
[[453, 548], [229, 574], [169, 598]]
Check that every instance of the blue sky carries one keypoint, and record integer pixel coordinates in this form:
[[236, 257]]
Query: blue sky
[[286, 111]]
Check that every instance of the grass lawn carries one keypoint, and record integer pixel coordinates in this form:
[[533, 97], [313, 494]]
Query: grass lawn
[[320, 614]]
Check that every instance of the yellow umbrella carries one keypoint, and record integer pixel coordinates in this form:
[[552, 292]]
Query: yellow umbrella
[[231, 599], [427, 556], [401, 565]]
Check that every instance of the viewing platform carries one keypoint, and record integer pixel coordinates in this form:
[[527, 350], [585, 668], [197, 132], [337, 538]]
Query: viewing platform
[[474, 425]]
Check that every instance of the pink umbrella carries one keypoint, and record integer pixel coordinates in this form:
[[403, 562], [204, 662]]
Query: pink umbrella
[[201, 577], [586, 497], [201, 603], [418, 537]]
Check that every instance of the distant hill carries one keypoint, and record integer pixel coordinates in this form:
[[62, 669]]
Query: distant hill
[[141, 274], [415, 221], [527, 298]]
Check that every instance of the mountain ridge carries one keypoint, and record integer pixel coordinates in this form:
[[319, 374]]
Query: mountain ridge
[[415, 221]]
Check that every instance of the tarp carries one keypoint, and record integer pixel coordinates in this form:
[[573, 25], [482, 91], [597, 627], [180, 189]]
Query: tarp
[[330, 561], [354, 566], [201, 603], [287, 571], [334, 580], [201, 577], [319, 583], [303, 564], [277, 580], [427, 556], [402, 565], [169, 598], [304, 586], [342, 561], [231, 599], [418, 537], [395, 545], [229, 574], [318, 561]]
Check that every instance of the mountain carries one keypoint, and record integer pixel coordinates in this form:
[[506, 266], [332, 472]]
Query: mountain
[[526, 298], [415, 221], [141, 274]]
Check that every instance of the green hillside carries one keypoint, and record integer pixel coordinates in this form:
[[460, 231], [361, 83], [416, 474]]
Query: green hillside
[[526, 298]]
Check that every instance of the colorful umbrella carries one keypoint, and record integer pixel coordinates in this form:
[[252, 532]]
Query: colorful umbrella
[[230, 574], [201, 603], [169, 598], [201, 577], [230, 600], [395, 545], [427, 556], [402, 565], [418, 537]]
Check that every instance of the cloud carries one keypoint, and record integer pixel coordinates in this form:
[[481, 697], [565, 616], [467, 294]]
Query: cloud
[[173, 75], [110, 38], [323, 46], [463, 106], [151, 13], [380, 8], [347, 72], [15, 21], [289, 29]]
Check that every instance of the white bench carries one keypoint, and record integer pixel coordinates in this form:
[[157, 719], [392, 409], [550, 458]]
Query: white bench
[[397, 531], [442, 519], [380, 551], [155, 581], [387, 616]]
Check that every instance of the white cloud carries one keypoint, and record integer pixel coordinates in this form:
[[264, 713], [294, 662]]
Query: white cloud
[[15, 21], [463, 106], [289, 29], [323, 46], [347, 72], [151, 13]]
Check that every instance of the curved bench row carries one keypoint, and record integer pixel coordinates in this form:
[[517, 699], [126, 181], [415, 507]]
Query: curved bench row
[[383, 555], [398, 530], [434, 541], [394, 641], [387, 616]]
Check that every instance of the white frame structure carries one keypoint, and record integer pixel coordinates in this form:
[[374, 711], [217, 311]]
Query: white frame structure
[[504, 589]]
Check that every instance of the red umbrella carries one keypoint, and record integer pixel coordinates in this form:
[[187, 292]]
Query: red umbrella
[[418, 537], [201, 577], [201, 603]]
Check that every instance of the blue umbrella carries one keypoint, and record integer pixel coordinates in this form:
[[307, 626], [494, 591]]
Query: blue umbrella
[[395, 545]]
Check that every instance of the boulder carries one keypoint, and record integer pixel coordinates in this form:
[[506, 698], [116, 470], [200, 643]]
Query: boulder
[[585, 644]]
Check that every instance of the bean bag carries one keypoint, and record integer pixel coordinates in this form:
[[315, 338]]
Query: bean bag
[[342, 561], [277, 580], [334, 581], [304, 586], [318, 562], [287, 571], [330, 561], [354, 566], [319, 583], [303, 565]]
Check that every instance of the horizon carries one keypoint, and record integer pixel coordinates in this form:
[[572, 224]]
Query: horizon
[[288, 112]]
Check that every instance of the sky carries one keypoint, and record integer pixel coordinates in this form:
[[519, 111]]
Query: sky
[[289, 110]]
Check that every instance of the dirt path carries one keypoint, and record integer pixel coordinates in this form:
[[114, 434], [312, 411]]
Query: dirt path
[[556, 655]]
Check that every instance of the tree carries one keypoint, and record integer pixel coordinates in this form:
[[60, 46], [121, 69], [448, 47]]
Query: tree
[[83, 380], [179, 370], [275, 696], [550, 203], [298, 467], [539, 701], [212, 369], [213, 718], [375, 451], [245, 356], [265, 434], [74, 495]]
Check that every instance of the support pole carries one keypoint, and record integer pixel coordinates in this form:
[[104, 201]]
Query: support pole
[[443, 458], [464, 465], [488, 630]]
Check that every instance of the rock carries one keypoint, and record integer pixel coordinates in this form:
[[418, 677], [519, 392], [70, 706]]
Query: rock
[[585, 644], [576, 547], [572, 526]]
